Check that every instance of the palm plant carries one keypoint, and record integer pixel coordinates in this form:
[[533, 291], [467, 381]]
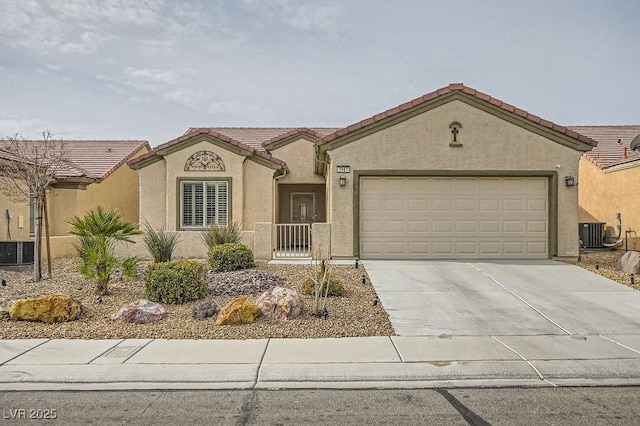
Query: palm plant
[[98, 231], [160, 243], [215, 235]]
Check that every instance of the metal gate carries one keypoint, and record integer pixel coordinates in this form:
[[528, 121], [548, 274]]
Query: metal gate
[[293, 240]]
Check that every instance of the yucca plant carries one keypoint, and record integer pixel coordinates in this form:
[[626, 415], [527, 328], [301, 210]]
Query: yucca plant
[[161, 243], [98, 231], [216, 235]]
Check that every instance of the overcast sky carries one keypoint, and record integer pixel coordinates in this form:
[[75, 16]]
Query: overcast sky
[[149, 69]]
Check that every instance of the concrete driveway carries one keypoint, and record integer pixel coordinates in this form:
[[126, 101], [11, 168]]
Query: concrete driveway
[[503, 298]]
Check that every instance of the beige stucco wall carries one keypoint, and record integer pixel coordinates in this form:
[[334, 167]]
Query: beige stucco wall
[[189, 246], [118, 191], [10, 199], [258, 195], [251, 186], [153, 200], [422, 143], [603, 194], [300, 158]]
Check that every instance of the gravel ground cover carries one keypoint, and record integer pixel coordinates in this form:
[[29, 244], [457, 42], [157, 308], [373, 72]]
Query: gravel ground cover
[[352, 315], [349, 316], [606, 261]]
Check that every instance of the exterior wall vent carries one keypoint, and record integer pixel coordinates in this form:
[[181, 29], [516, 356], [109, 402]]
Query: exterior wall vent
[[591, 234], [16, 252]]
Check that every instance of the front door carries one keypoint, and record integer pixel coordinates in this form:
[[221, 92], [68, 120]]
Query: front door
[[302, 207]]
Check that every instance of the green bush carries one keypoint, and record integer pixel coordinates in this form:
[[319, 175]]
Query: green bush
[[308, 288], [216, 235], [230, 257], [175, 282], [160, 243]]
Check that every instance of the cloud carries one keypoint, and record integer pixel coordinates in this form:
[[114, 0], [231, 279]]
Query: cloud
[[304, 17], [152, 75], [83, 26], [30, 127]]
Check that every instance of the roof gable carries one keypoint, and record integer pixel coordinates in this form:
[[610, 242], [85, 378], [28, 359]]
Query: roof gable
[[197, 135], [292, 136], [465, 94]]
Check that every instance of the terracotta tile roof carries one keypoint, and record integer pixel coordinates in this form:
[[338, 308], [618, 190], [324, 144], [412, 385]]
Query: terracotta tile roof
[[316, 133], [257, 137], [455, 87], [246, 134], [609, 151], [96, 159]]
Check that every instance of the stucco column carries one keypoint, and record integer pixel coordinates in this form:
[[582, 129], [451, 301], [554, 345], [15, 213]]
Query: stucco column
[[321, 237], [262, 247]]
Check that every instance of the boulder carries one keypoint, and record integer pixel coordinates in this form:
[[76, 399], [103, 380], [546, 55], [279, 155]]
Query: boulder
[[48, 309], [280, 304], [629, 263], [204, 309], [240, 310], [5, 305], [141, 311]]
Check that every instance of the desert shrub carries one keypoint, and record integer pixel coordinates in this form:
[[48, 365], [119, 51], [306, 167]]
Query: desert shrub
[[130, 268], [308, 287], [230, 257], [217, 235], [160, 243], [175, 282]]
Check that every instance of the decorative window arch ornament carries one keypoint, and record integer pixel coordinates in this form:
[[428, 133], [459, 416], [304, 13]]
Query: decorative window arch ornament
[[455, 128], [204, 161]]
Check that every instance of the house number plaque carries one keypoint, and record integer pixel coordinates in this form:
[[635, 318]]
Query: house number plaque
[[343, 169]]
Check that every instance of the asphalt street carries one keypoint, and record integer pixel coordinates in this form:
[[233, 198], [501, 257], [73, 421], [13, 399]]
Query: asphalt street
[[499, 406]]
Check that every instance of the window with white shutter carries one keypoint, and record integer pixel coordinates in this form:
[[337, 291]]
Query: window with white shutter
[[203, 204]]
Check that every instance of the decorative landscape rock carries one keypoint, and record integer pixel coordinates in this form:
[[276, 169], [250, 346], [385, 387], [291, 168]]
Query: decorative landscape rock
[[142, 311], [49, 309], [5, 305], [629, 263], [246, 281], [204, 309], [280, 304], [240, 310]]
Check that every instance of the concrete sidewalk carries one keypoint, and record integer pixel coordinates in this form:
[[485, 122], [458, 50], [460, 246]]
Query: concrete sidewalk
[[359, 362]]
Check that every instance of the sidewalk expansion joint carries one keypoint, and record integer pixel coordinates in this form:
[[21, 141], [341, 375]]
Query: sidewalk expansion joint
[[105, 352], [259, 369], [619, 344], [521, 299], [27, 351], [523, 358]]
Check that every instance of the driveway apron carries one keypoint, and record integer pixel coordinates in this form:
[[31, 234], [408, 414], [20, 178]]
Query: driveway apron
[[501, 298]]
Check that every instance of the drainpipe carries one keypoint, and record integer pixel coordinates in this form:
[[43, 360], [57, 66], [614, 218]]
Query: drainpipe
[[275, 187]]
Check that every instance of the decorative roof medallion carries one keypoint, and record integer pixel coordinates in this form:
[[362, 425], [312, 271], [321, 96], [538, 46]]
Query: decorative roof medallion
[[204, 161]]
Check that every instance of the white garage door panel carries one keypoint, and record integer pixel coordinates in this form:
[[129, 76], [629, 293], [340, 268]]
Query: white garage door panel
[[453, 217]]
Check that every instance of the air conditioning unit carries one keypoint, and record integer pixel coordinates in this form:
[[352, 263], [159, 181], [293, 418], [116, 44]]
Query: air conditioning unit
[[16, 252], [591, 234]]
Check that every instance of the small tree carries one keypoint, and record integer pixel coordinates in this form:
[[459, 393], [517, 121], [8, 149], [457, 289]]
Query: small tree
[[32, 166], [98, 231]]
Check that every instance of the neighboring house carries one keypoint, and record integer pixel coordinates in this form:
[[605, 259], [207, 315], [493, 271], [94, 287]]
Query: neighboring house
[[609, 180], [452, 174], [95, 174]]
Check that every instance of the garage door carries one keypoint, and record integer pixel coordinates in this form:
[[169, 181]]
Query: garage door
[[454, 217]]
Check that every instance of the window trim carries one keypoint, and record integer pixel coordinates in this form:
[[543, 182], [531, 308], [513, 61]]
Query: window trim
[[178, 210]]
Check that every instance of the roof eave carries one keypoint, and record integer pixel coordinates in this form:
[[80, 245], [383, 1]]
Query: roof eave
[[413, 108]]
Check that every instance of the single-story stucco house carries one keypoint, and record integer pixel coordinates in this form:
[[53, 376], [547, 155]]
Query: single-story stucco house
[[609, 178], [96, 173], [451, 174]]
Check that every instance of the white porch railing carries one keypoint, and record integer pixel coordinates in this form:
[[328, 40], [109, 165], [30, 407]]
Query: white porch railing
[[292, 240]]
